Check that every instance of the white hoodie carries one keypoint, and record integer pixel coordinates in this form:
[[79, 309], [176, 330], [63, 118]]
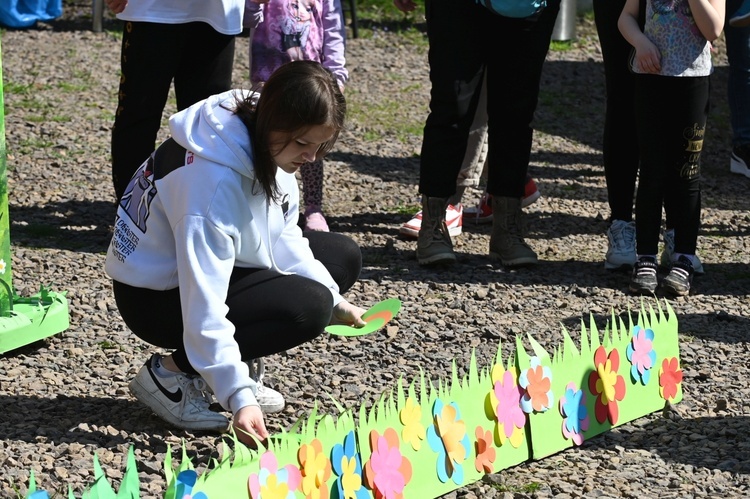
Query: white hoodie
[[192, 213]]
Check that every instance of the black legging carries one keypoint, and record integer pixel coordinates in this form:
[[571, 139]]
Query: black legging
[[671, 123], [271, 312], [619, 148], [197, 57], [466, 40]]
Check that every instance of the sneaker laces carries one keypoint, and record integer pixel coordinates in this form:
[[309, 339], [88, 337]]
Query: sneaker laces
[[204, 396]]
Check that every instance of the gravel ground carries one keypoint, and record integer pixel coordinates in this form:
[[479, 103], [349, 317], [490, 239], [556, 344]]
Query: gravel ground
[[66, 397]]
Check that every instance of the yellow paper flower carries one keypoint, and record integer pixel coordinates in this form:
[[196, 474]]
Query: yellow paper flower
[[411, 418], [316, 470]]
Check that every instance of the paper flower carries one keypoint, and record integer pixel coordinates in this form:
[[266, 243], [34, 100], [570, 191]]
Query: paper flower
[[3, 266], [347, 466], [485, 451], [184, 484], [574, 412], [411, 417], [641, 354], [607, 385], [536, 382], [447, 436], [387, 472], [271, 482], [669, 377], [316, 470], [510, 417]]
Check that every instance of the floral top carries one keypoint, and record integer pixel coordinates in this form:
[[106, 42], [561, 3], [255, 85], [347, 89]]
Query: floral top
[[684, 50]]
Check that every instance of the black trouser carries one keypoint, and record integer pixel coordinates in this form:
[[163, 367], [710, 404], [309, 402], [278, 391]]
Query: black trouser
[[199, 60], [671, 123], [466, 39], [619, 148], [271, 312]]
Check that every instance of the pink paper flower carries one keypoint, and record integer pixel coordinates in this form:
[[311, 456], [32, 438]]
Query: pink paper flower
[[387, 472], [508, 410]]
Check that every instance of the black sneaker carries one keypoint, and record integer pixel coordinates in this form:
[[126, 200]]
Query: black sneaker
[[740, 162], [679, 278], [643, 280]]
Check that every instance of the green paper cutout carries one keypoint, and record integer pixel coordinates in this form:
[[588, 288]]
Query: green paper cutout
[[400, 414], [22, 320], [376, 317]]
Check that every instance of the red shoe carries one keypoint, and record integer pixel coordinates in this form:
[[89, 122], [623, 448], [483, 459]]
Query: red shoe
[[482, 213], [453, 219]]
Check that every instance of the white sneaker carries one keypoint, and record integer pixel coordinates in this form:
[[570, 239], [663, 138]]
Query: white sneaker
[[182, 400], [453, 219], [269, 399], [621, 251], [667, 256]]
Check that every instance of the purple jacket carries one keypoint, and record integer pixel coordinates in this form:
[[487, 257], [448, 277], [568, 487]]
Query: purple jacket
[[289, 30]]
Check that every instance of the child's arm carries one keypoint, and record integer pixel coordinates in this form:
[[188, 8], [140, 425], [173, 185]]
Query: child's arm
[[333, 41], [709, 17], [647, 56]]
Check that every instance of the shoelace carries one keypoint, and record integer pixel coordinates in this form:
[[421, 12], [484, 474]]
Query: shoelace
[[206, 393]]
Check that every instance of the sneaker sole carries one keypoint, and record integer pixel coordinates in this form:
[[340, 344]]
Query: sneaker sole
[[517, 262], [413, 233], [271, 408], [642, 291], [146, 398], [531, 199], [439, 259], [669, 289]]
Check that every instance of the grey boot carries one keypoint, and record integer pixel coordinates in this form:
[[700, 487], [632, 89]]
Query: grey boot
[[506, 242], [434, 245]]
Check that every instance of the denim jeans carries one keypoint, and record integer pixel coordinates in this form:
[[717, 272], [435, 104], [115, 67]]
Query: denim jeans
[[738, 50], [467, 40]]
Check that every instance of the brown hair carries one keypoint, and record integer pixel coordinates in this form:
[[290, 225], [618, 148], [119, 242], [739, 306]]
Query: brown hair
[[296, 97]]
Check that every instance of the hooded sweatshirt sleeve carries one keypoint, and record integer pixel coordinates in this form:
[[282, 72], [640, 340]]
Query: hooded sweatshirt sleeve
[[333, 41], [205, 260]]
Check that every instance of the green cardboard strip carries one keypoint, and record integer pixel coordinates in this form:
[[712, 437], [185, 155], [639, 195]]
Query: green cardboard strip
[[425, 439]]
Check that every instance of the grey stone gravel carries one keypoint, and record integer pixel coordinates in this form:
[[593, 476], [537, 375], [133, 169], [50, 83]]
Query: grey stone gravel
[[65, 398]]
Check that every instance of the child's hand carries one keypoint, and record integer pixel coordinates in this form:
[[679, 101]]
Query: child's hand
[[647, 57], [249, 421], [348, 314]]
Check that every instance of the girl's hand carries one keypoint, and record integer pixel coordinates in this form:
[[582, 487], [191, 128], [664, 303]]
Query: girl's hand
[[249, 421], [348, 314], [647, 57], [405, 5]]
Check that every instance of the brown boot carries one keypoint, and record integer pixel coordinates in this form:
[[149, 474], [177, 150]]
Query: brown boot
[[506, 242], [434, 245]]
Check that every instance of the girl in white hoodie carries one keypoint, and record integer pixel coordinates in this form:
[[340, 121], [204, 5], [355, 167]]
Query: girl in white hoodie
[[207, 258]]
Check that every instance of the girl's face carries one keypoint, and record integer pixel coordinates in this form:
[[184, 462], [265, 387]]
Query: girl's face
[[301, 10], [300, 150]]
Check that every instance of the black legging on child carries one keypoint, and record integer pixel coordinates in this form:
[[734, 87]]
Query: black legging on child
[[671, 123], [271, 312]]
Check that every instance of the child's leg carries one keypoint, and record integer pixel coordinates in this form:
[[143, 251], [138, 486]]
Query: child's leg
[[683, 178], [656, 150]]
